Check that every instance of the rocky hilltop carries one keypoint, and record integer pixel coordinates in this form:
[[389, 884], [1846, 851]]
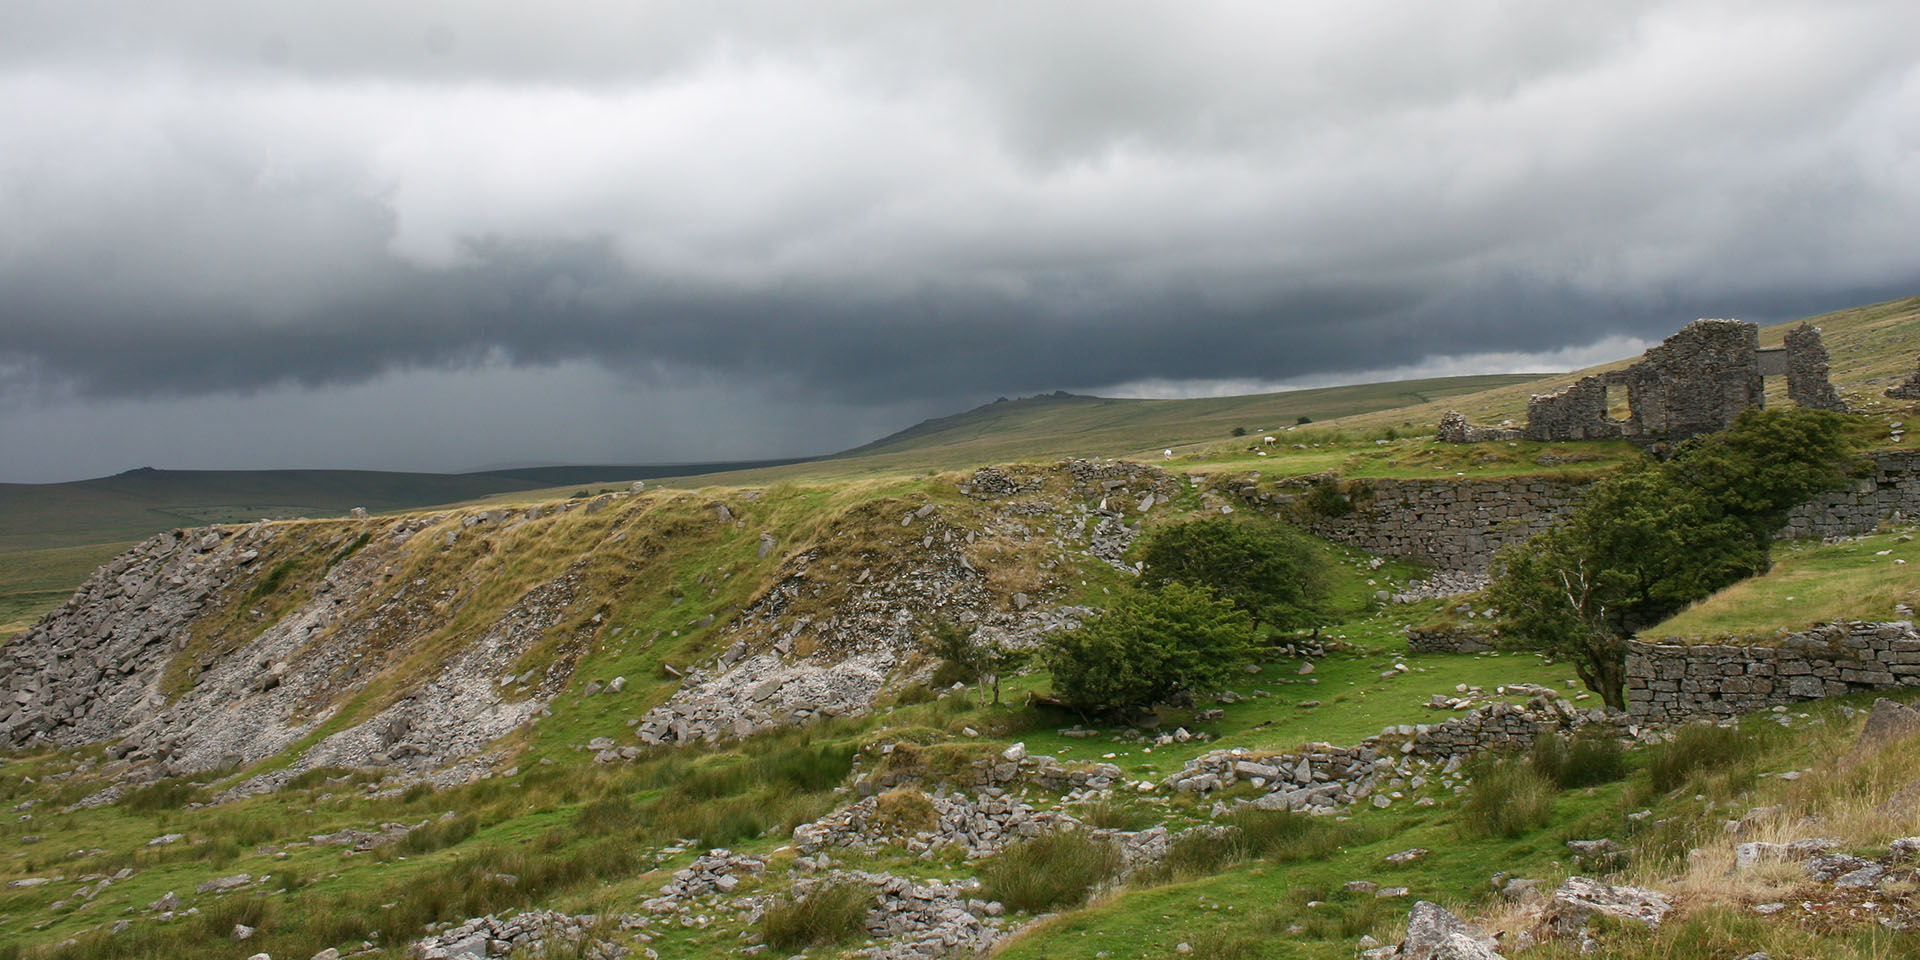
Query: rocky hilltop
[[414, 644]]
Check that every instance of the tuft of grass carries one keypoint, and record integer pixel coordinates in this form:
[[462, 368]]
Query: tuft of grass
[[1508, 798], [439, 835], [827, 915], [270, 584], [1052, 870], [1587, 759], [905, 811], [1699, 747]]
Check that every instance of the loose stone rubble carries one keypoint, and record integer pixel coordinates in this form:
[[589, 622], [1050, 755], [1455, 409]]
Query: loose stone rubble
[[522, 934], [1326, 778]]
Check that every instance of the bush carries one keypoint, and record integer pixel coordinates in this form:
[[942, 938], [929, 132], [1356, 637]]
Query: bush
[[1324, 498], [1507, 799], [1239, 431], [1052, 870], [828, 915], [1148, 647], [1651, 538], [1270, 571]]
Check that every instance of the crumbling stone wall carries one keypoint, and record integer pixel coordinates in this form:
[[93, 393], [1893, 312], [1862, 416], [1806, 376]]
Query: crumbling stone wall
[[1807, 383], [1908, 389], [1454, 428], [1577, 413], [1670, 681], [1454, 524], [1889, 488], [1695, 382], [1458, 523], [1459, 638]]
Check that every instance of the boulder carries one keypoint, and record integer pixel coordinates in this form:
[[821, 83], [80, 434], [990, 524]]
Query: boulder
[[1579, 899], [1435, 934]]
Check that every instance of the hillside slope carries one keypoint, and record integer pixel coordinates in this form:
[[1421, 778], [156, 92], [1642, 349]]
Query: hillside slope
[[666, 722]]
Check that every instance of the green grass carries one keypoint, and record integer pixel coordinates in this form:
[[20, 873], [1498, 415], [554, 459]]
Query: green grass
[[828, 915], [1049, 871], [1810, 583], [33, 582]]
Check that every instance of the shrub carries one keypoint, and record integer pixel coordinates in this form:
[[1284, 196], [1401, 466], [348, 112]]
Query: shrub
[[1052, 870], [1325, 499], [1146, 648], [1270, 571], [828, 915], [1507, 799], [1239, 431]]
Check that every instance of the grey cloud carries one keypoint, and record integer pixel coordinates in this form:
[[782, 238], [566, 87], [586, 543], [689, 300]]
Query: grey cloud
[[898, 207]]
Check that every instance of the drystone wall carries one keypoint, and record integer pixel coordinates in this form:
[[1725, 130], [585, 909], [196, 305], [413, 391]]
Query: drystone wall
[[1908, 389], [1458, 524], [1324, 779], [1889, 488], [1577, 413], [1451, 524], [1454, 428], [1458, 638], [1669, 682]]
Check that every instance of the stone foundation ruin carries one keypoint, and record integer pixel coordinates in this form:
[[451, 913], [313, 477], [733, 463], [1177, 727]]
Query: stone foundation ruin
[[1908, 389], [1695, 382]]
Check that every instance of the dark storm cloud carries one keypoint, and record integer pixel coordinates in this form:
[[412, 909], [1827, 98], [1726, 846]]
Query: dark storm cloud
[[874, 204]]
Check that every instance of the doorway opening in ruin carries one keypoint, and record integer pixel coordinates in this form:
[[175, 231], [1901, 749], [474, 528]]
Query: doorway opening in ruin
[[1617, 406]]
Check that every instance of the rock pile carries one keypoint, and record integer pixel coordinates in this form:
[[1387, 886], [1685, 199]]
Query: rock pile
[[717, 871], [981, 825], [1325, 778], [522, 934], [917, 921]]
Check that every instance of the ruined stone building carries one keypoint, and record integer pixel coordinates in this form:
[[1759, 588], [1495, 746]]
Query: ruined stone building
[[1695, 382]]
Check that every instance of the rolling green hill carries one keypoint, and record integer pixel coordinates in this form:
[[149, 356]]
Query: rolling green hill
[[1061, 424]]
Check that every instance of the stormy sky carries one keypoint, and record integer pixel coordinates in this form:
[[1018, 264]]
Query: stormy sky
[[447, 235]]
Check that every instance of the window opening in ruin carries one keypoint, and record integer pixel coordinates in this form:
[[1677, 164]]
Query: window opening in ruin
[[1617, 406]]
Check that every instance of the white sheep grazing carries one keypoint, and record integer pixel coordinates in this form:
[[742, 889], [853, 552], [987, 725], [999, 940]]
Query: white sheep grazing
[[1266, 439]]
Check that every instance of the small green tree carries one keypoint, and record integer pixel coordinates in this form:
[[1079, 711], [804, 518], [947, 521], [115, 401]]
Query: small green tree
[[1651, 538], [1149, 646], [1270, 571], [970, 658]]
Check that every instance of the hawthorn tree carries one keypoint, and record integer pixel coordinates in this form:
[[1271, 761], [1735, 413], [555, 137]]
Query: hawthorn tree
[[1268, 570], [1148, 647], [1653, 537]]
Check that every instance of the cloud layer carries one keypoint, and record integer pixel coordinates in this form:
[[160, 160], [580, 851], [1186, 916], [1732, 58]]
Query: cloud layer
[[852, 206]]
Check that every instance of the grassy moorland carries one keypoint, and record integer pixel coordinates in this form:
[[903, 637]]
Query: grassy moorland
[[1869, 578], [659, 577], [581, 836]]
